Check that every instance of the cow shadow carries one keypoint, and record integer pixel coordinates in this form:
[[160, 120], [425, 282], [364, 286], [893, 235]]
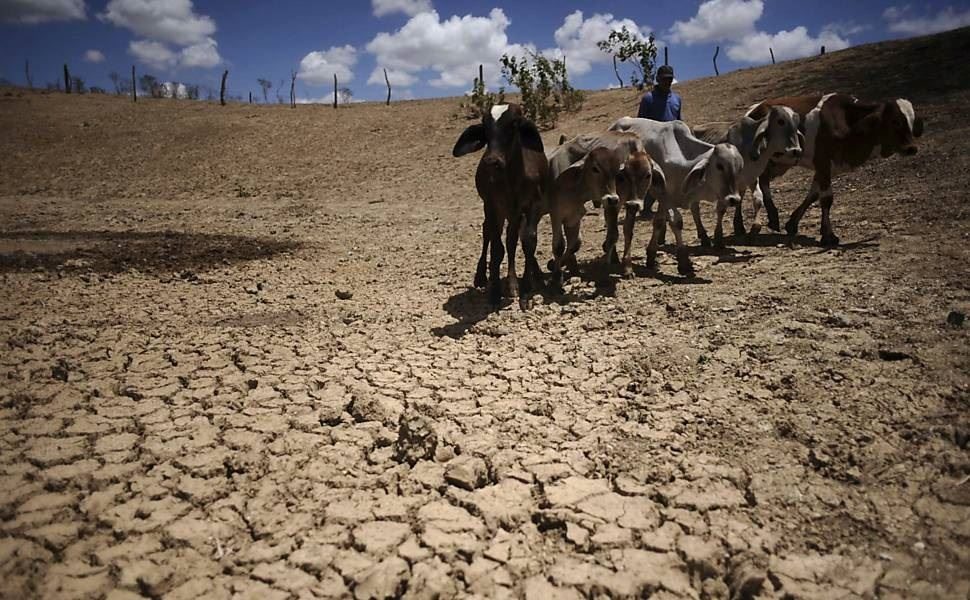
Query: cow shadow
[[120, 251]]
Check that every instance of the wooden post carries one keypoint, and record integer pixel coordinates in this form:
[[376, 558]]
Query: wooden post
[[30, 83], [617, 71], [772, 55], [292, 89], [666, 56], [481, 75], [134, 91], [335, 90], [250, 97], [388, 82], [67, 79], [823, 51], [716, 51], [222, 90]]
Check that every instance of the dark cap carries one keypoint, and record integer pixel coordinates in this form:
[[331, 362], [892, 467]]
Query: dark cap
[[665, 71]]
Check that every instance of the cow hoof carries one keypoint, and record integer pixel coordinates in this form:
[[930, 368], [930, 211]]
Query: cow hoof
[[627, 271], [686, 269], [830, 241], [481, 281], [551, 265], [718, 241], [792, 230], [755, 230], [495, 296]]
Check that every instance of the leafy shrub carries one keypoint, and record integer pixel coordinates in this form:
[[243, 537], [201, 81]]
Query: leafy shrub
[[544, 85], [629, 47]]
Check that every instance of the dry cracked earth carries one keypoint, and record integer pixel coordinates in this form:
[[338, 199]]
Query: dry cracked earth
[[241, 358]]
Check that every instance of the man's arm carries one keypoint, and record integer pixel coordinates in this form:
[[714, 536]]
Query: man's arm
[[677, 105], [645, 105]]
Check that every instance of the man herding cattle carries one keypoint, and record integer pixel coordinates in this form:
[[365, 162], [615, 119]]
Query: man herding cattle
[[660, 104]]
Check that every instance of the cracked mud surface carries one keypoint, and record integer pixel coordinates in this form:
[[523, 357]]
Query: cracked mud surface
[[187, 409]]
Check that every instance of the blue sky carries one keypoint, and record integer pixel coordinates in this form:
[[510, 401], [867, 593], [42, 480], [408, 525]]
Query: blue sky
[[430, 47]]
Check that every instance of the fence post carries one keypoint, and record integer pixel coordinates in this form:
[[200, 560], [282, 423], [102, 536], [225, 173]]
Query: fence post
[[388, 82], [67, 79], [823, 51], [666, 56], [335, 90], [30, 83], [222, 88], [772, 55], [716, 51], [134, 90], [292, 89]]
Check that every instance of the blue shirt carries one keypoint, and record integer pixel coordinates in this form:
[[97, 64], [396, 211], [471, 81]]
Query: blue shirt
[[659, 106]]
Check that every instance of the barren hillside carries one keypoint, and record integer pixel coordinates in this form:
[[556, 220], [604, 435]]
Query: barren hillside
[[188, 409]]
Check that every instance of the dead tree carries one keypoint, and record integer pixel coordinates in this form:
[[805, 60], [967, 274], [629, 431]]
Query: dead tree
[[772, 55], [388, 82], [666, 56], [134, 88], [222, 90], [716, 51], [67, 79], [335, 90], [617, 71], [30, 82], [292, 89]]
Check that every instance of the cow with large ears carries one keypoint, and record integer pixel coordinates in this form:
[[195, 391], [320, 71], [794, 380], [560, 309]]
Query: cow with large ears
[[841, 133], [513, 181], [694, 171]]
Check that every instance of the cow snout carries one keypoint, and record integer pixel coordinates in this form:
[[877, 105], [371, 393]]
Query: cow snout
[[910, 151], [611, 200]]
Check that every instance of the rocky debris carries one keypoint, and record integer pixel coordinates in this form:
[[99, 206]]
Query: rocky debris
[[467, 472], [387, 579], [416, 439], [344, 294], [955, 318]]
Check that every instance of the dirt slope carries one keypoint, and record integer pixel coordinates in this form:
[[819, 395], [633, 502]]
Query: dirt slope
[[187, 409]]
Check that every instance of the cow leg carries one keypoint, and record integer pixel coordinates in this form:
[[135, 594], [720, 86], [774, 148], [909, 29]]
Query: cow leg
[[629, 221], [511, 243], [757, 202], [659, 228], [684, 266], [481, 276], [612, 214], [792, 225], [764, 182], [530, 241], [558, 242], [574, 241], [495, 265], [829, 239], [695, 211], [738, 221], [719, 210]]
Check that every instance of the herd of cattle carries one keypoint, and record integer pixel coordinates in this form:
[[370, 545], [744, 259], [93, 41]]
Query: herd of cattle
[[679, 167]]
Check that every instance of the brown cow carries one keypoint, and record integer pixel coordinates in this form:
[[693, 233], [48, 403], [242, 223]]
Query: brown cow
[[513, 180], [841, 133]]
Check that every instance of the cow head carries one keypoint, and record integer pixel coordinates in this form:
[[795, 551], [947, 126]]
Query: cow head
[[502, 127], [895, 127], [638, 176], [596, 176], [778, 135], [716, 176]]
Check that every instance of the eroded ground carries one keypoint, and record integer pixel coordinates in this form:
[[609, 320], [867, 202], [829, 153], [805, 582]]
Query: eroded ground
[[189, 410]]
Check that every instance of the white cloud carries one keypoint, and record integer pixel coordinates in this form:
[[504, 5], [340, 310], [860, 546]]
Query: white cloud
[[94, 56], [41, 11], [785, 44], [577, 38], [319, 67], [452, 48], [717, 21], [397, 78], [203, 55], [408, 7], [170, 21], [948, 18], [846, 28], [153, 54]]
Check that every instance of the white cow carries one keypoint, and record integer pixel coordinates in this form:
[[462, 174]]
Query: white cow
[[774, 136], [693, 170]]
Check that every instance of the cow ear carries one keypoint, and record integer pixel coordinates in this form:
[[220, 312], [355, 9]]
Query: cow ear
[[760, 142], [918, 127], [735, 134], [471, 140], [529, 136], [696, 177]]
